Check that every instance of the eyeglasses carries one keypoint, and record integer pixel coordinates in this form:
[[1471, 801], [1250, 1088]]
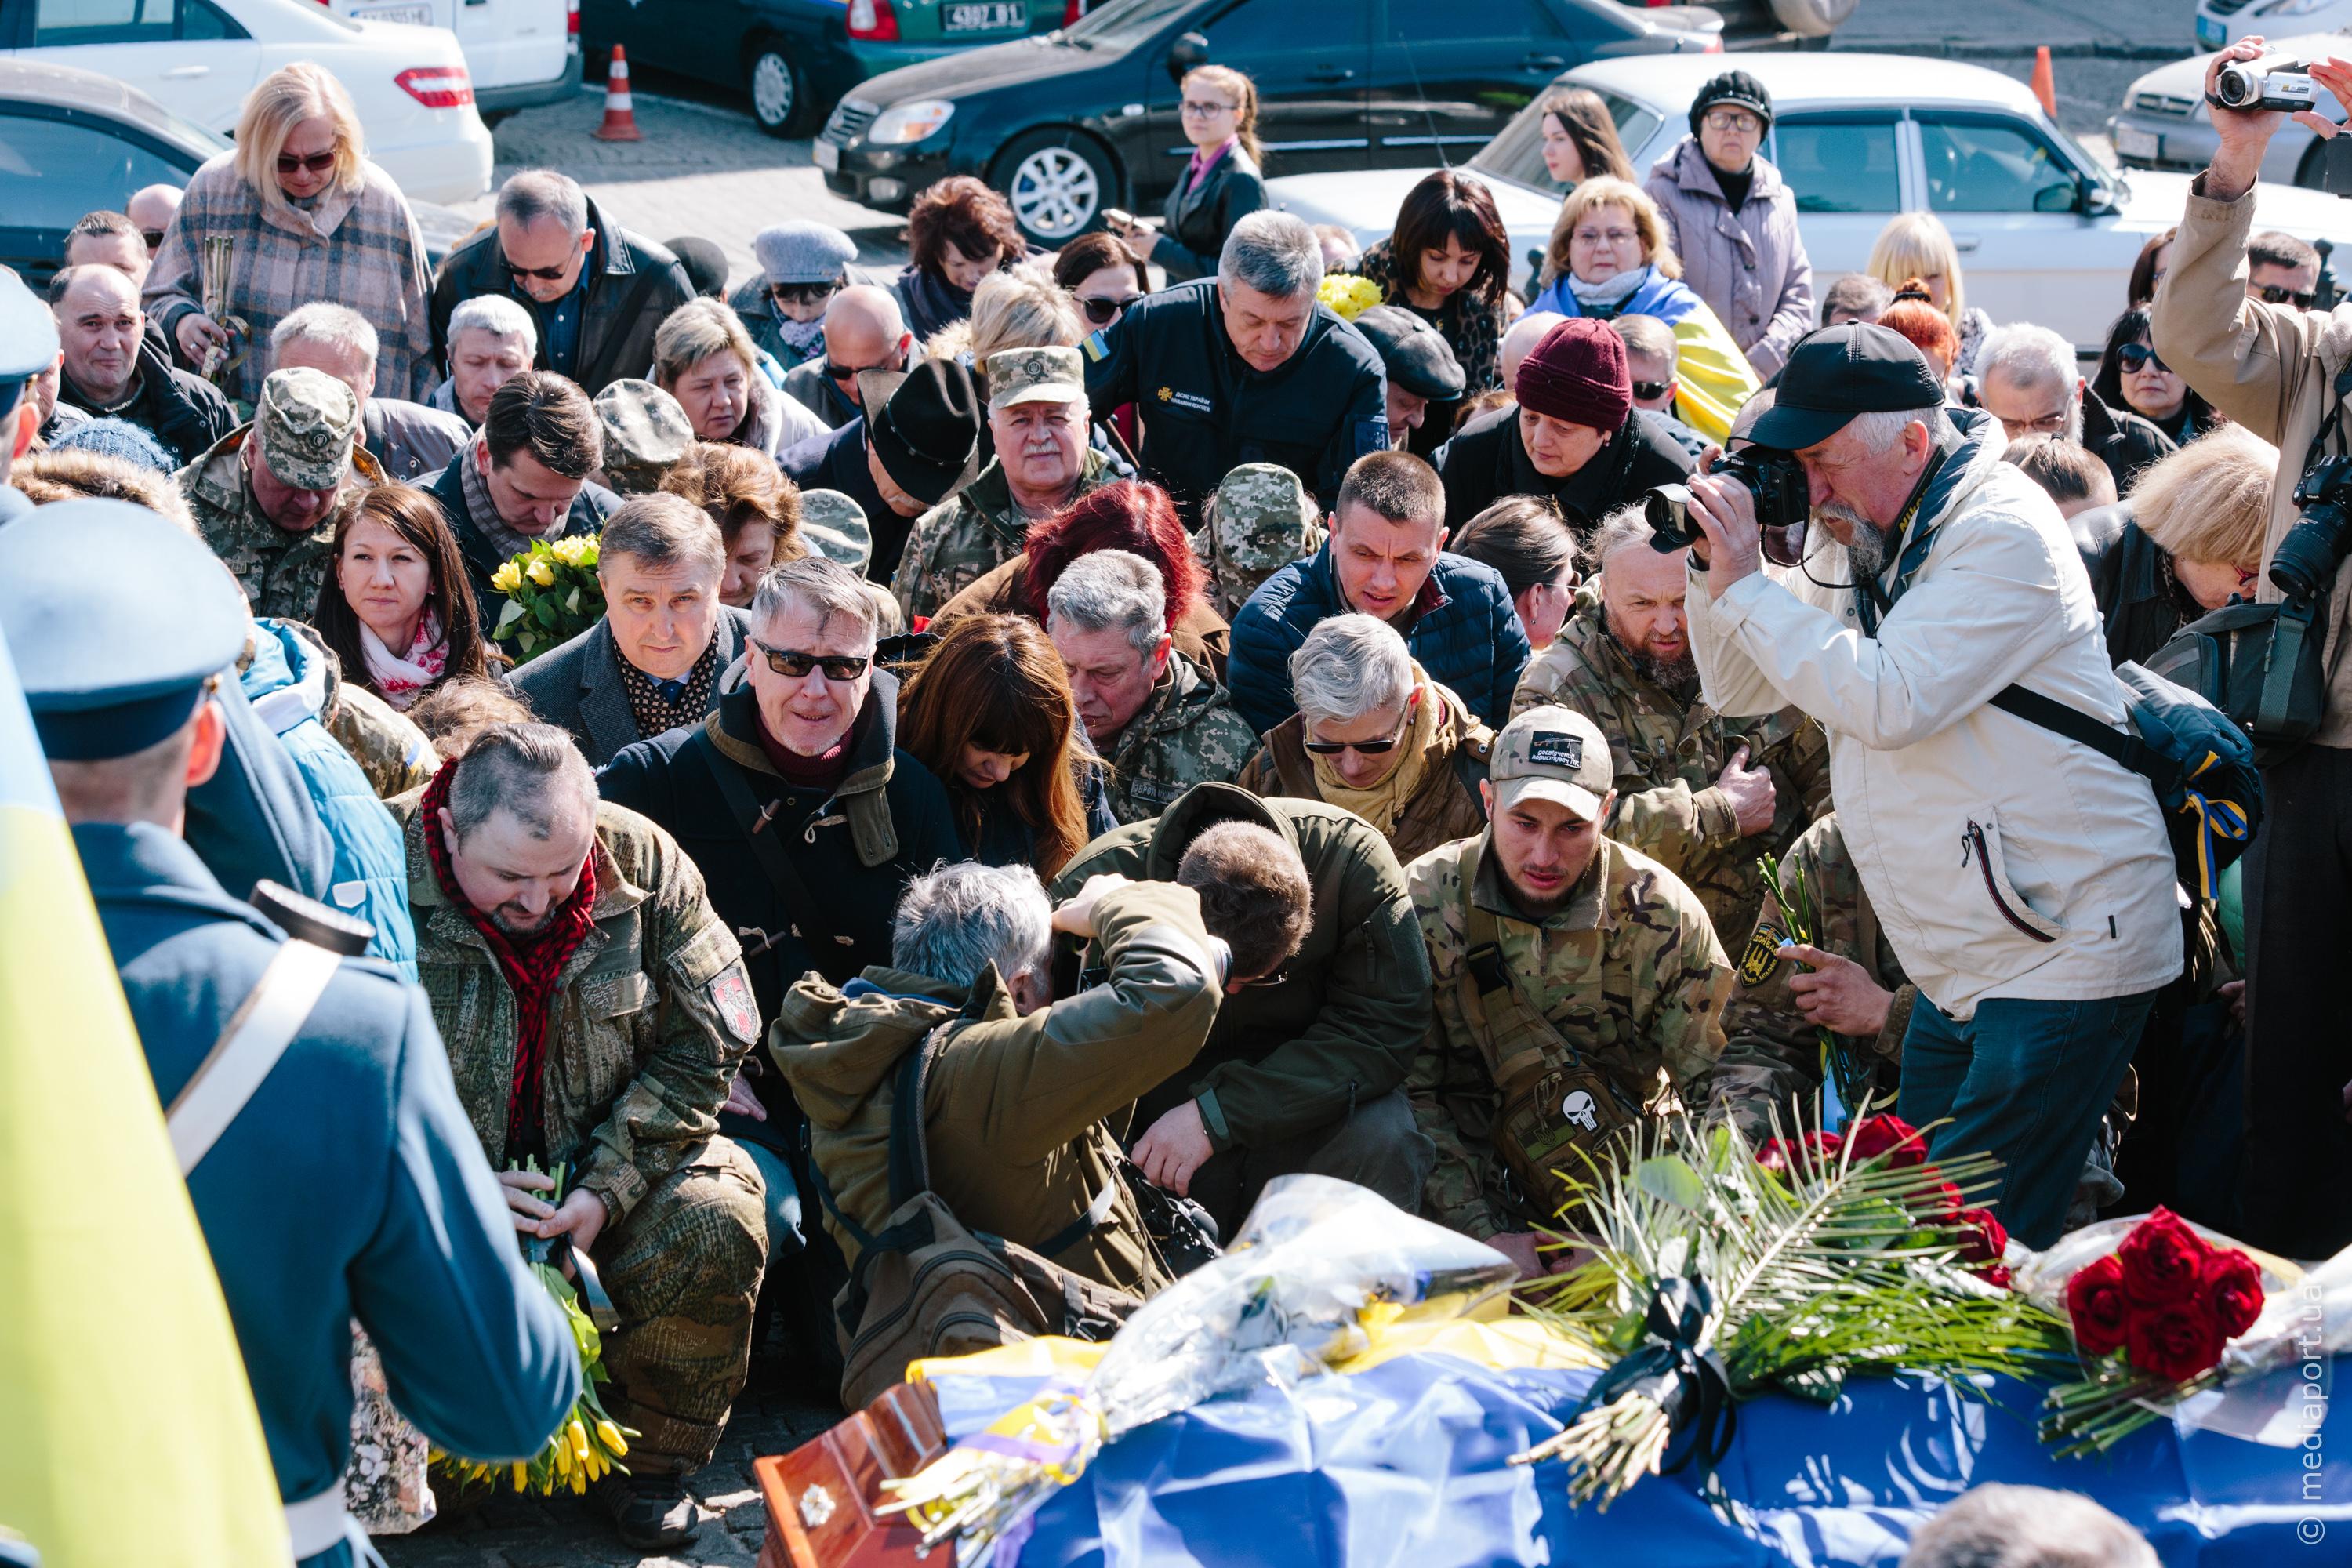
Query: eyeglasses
[[2279, 294], [316, 163], [805, 294], [546, 274], [2138, 357], [848, 371], [1728, 119], [1195, 109], [1101, 309], [154, 238], [796, 666], [1362, 748], [2048, 425], [1650, 390]]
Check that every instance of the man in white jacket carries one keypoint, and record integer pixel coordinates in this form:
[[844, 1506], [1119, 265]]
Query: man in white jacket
[[2024, 879]]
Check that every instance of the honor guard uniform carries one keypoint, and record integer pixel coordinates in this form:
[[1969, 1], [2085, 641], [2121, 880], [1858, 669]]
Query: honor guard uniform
[[310, 1101], [28, 346]]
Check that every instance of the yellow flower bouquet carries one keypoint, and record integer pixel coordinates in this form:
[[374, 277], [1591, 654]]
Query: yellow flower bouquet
[[553, 595], [1348, 294]]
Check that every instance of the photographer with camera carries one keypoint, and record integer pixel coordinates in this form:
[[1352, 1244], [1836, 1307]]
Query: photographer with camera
[[2273, 368], [2024, 879]]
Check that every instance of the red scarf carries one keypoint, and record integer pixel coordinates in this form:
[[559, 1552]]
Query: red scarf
[[530, 965]]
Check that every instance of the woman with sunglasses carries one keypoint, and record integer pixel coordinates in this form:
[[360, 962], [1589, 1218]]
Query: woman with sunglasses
[[1448, 262], [1104, 277], [2187, 540], [308, 217], [1375, 735], [803, 266], [2133, 375], [1221, 184]]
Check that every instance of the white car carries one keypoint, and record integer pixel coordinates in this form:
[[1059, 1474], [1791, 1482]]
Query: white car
[[2165, 124], [200, 58], [2045, 232], [2221, 23], [518, 52]]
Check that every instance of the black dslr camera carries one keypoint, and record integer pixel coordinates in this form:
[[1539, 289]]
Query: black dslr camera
[[2304, 565], [1783, 503]]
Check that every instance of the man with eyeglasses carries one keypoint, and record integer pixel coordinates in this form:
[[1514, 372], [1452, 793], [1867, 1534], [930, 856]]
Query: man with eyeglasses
[[2281, 270], [863, 329], [2028, 379], [802, 264], [597, 290], [1577, 988]]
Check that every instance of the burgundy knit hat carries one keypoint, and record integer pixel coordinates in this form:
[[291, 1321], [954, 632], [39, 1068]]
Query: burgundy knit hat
[[1577, 373]]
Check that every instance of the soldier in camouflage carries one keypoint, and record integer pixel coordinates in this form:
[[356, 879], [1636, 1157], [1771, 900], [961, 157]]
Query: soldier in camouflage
[[1037, 414], [1579, 988], [1160, 720], [596, 1010], [264, 496], [1260, 520], [645, 432], [1703, 795]]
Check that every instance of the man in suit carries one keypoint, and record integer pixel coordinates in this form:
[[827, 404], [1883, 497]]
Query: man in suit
[[653, 662]]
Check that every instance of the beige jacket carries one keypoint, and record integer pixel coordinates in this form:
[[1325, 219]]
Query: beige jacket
[[2270, 368]]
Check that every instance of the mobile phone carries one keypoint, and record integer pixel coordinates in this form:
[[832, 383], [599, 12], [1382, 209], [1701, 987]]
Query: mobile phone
[[1117, 219]]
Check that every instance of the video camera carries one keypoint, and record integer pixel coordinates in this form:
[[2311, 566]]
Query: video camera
[[2279, 83], [1775, 479]]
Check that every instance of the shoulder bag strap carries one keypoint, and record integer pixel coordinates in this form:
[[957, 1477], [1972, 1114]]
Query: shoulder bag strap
[[257, 1034], [911, 1151], [1491, 997], [807, 914], [2059, 719]]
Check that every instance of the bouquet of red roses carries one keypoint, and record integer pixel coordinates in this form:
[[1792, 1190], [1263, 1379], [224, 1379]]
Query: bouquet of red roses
[[1938, 1212]]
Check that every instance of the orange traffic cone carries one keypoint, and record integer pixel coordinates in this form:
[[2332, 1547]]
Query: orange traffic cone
[[2045, 87], [621, 118]]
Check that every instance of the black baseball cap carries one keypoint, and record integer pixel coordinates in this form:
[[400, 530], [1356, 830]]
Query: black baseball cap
[[1416, 354], [1839, 372]]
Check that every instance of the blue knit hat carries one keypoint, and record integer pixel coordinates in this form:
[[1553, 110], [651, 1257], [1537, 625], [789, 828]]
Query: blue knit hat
[[116, 438], [802, 252]]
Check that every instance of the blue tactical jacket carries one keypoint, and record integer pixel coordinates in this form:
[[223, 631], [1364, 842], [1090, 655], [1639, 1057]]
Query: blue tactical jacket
[[352, 1185]]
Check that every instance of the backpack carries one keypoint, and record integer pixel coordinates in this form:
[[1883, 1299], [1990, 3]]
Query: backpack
[[928, 1285]]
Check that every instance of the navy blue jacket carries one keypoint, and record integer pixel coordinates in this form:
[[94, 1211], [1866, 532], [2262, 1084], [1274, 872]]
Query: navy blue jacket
[[351, 1186], [837, 462], [1464, 635]]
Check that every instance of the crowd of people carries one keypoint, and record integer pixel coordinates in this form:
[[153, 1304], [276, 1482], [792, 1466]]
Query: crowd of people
[[1186, 735]]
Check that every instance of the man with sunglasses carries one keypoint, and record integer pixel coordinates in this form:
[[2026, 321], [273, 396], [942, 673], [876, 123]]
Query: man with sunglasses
[[2028, 379], [802, 264], [863, 329], [2281, 270]]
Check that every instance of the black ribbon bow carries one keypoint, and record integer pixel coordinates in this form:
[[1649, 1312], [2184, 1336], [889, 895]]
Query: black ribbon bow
[[1668, 1368]]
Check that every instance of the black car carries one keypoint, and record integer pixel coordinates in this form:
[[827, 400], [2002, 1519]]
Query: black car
[[1086, 117], [72, 142]]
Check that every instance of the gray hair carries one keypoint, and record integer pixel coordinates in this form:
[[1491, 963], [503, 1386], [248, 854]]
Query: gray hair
[[1649, 337], [1112, 590], [815, 582], [660, 529], [1350, 668], [1621, 529], [532, 770], [320, 321], [535, 194], [497, 315], [2028, 356], [1882, 428], [953, 923], [2003, 1526], [1273, 252]]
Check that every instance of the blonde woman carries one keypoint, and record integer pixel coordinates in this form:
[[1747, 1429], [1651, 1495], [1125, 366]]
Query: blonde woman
[[704, 357], [2187, 540], [1221, 184], [1918, 245], [1610, 256], [308, 217], [1020, 309]]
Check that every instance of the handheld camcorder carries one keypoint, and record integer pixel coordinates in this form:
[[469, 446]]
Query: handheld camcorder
[[2304, 565], [1783, 503], [2278, 82]]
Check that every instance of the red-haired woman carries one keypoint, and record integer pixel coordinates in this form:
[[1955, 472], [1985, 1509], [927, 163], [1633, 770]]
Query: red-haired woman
[[958, 232], [1449, 262]]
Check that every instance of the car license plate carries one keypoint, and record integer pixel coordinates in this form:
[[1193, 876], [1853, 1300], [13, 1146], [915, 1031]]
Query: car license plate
[[2211, 34], [2131, 144], [419, 16], [827, 156], [985, 16]]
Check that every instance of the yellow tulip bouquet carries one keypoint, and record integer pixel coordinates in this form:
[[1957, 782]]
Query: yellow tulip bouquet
[[553, 595], [1349, 295]]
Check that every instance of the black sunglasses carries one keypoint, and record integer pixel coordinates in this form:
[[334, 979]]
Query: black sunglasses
[[805, 294], [1100, 309], [2279, 294], [796, 666], [1364, 748], [1648, 390], [548, 274], [316, 163], [2138, 357], [153, 236]]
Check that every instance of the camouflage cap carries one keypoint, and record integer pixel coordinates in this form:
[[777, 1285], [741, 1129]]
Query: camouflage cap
[[645, 428], [306, 419], [1036, 375], [1264, 516], [834, 526], [1556, 755]]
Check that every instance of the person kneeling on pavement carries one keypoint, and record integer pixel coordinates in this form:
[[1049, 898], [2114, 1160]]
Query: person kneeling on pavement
[[595, 1010]]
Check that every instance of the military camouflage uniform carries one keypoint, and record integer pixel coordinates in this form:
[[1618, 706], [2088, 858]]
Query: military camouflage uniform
[[395, 754], [971, 534], [1259, 521], [653, 1014], [1185, 733], [1628, 971], [645, 431], [1669, 750]]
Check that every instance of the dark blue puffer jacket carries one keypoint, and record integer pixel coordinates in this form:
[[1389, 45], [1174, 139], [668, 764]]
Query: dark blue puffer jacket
[[1466, 637]]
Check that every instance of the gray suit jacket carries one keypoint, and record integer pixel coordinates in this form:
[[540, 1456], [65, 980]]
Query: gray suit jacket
[[578, 686]]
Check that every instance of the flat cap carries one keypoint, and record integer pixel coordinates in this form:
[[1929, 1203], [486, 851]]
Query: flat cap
[[834, 525], [116, 618], [802, 252], [307, 420], [1417, 355]]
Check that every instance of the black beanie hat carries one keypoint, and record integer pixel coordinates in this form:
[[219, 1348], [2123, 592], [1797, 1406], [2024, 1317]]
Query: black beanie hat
[[1737, 88]]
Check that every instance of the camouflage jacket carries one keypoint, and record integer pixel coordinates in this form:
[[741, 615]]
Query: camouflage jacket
[[1187, 733], [1775, 1055], [1629, 971], [969, 535], [280, 572], [652, 1015], [395, 754], [1668, 756]]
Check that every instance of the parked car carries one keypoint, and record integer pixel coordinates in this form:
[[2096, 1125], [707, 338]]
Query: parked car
[[1086, 118], [2045, 232], [200, 58], [2221, 23], [72, 140], [518, 52], [2165, 124], [796, 57]]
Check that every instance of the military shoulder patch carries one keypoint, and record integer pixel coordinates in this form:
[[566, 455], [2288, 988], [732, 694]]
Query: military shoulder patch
[[731, 994], [1097, 347], [1761, 957]]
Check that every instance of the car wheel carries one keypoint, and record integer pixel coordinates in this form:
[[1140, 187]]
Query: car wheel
[[776, 92], [1058, 182]]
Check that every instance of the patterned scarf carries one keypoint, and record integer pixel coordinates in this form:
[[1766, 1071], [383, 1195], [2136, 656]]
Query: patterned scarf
[[506, 540], [660, 706], [530, 965], [805, 339], [401, 679]]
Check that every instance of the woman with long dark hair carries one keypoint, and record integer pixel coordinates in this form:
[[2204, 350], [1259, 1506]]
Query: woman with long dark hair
[[398, 610], [1449, 262], [1580, 140], [2131, 375], [990, 713]]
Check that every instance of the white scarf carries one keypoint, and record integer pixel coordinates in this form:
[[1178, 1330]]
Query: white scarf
[[1610, 290], [400, 681]]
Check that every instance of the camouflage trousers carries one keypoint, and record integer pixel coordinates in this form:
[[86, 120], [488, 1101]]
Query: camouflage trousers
[[683, 1270]]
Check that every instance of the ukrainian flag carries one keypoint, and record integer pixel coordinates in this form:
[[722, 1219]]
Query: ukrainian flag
[[127, 1432]]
